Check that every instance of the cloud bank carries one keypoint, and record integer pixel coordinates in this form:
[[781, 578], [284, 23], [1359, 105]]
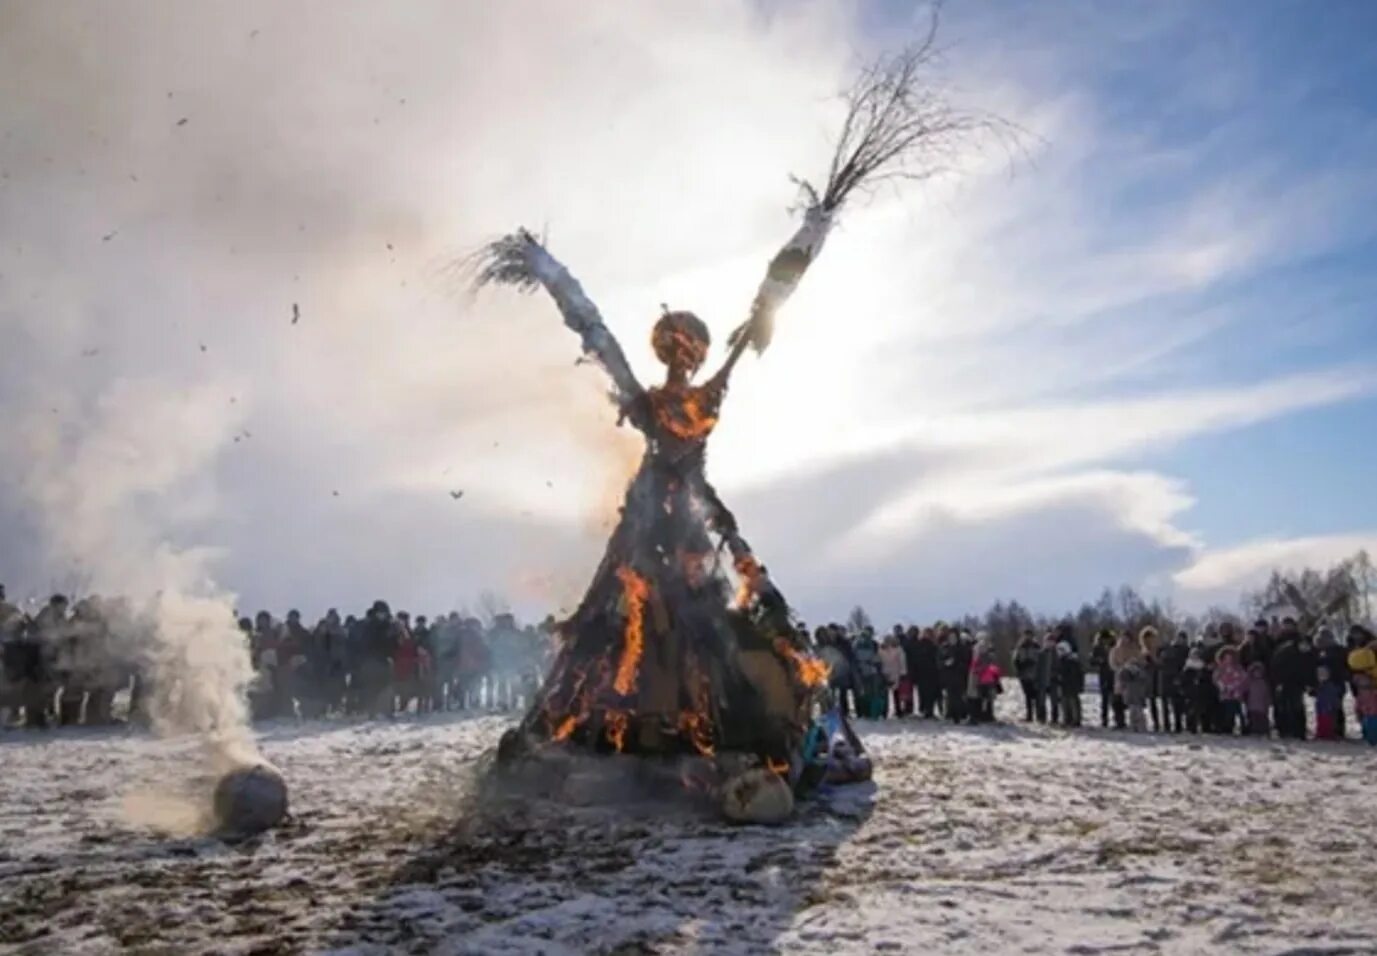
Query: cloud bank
[[963, 402]]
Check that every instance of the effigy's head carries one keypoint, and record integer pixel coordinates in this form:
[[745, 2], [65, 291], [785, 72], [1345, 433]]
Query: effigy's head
[[681, 340]]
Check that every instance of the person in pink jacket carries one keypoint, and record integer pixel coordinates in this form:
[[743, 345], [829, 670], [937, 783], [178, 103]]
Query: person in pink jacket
[[1232, 681]]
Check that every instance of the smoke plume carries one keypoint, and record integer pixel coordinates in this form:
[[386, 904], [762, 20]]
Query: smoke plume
[[101, 491]]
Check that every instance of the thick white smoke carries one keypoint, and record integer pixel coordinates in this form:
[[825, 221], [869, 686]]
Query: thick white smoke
[[102, 490]]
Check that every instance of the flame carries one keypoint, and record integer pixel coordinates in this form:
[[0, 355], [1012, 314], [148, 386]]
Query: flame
[[780, 767], [565, 728], [812, 671], [698, 729], [617, 723], [695, 724], [635, 589], [749, 570], [683, 413]]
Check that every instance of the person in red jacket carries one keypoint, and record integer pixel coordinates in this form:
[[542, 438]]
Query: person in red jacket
[[406, 664]]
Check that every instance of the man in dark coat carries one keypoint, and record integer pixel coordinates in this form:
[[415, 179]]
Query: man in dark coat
[[954, 664], [26, 667], [1071, 680], [1291, 673], [1026, 668], [1099, 663], [379, 647], [927, 676], [1049, 677], [1170, 663]]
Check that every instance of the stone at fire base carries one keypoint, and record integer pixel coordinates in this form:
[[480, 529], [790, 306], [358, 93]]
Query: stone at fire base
[[250, 799], [757, 796]]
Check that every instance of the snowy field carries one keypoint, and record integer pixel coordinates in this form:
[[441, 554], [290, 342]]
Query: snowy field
[[989, 840]]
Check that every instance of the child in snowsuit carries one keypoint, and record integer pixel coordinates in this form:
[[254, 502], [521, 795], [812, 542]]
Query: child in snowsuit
[[1329, 700], [1259, 699], [1197, 689], [1365, 698], [984, 682], [1232, 682]]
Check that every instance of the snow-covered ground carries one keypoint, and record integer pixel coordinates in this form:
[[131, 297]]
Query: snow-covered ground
[[997, 840]]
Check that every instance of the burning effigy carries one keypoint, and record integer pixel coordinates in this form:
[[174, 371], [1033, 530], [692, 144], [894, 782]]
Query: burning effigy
[[683, 646]]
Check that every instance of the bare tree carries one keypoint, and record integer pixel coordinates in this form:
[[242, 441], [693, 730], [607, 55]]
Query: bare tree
[[1338, 593]]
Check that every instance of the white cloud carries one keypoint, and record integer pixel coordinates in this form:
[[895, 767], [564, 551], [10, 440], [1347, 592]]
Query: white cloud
[[1227, 571], [978, 360]]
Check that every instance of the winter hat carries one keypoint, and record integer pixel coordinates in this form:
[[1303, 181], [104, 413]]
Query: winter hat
[[1064, 649]]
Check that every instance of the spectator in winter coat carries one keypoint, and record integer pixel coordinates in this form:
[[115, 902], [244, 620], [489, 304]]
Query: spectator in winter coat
[[954, 662], [895, 672], [1232, 681], [1049, 690], [10, 616], [1099, 663], [1365, 703], [1259, 699], [927, 675], [1329, 702], [1131, 682], [869, 679], [983, 682], [379, 645], [1026, 667], [1071, 681], [26, 668], [1253, 650], [1128, 651], [1334, 658], [835, 650], [1291, 677], [1170, 662], [908, 646], [1198, 689], [1151, 643], [406, 664]]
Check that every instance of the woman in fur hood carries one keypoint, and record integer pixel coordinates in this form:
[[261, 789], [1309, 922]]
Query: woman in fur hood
[[1151, 643]]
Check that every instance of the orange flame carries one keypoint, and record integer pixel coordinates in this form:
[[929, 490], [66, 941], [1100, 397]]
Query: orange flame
[[636, 589], [780, 767], [749, 570], [617, 723], [696, 724], [683, 417], [565, 728], [811, 670]]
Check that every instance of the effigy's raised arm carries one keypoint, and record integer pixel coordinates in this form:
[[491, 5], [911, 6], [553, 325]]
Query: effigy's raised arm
[[519, 260], [898, 127], [781, 279]]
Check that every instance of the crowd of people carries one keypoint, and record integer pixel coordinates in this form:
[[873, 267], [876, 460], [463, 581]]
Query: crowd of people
[[383, 663], [67, 663], [1223, 681]]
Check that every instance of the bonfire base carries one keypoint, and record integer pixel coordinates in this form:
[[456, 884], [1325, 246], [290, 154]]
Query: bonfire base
[[733, 784]]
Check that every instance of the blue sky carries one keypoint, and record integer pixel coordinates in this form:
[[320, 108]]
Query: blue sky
[[1141, 349]]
